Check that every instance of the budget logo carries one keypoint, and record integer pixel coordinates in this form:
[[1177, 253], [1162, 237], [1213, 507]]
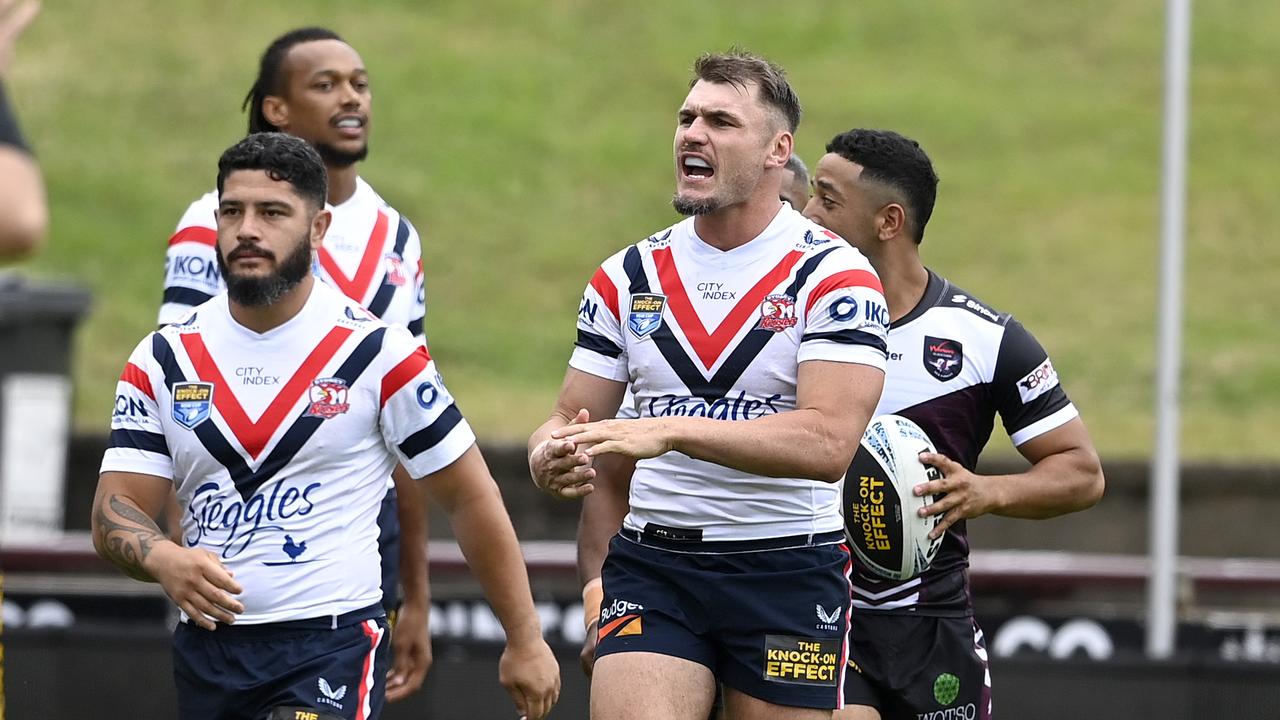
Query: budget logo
[[646, 314], [777, 313], [328, 398], [192, 403], [943, 358]]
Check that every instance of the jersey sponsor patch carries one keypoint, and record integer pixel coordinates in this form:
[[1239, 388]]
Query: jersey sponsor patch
[[943, 358], [192, 403], [645, 315], [778, 312], [1038, 382], [328, 398], [801, 660]]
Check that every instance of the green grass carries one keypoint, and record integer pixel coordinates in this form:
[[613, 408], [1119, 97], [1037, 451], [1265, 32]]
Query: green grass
[[530, 139]]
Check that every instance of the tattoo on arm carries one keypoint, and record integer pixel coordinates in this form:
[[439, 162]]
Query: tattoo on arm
[[126, 535]]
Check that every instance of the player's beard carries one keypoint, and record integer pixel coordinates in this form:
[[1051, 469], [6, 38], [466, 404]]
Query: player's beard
[[689, 208], [261, 291], [333, 157]]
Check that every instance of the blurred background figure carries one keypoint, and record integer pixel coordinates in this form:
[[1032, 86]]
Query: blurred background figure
[[795, 183], [24, 216]]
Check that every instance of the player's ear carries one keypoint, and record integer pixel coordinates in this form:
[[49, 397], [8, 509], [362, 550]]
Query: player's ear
[[780, 150], [891, 221], [276, 111], [319, 226]]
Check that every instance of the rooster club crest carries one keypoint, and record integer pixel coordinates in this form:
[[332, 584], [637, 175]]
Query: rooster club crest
[[943, 358], [646, 313], [328, 398], [395, 269], [192, 403], [778, 312]]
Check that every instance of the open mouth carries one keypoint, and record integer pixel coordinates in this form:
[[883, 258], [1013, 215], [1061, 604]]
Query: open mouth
[[350, 125], [693, 167]]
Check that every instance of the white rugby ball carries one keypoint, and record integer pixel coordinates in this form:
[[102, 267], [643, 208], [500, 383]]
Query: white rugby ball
[[880, 509]]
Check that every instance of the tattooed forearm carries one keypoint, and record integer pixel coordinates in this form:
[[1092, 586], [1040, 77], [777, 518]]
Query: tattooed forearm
[[125, 535]]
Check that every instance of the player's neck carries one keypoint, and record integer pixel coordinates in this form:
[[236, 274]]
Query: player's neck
[[270, 317], [736, 225], [342, 183], [904, 279]]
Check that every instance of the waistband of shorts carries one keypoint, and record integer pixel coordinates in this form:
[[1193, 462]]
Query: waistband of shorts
[[719, 547], [323, 622]]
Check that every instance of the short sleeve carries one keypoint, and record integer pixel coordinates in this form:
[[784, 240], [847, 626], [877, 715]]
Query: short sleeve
[[845, 316], [420, 421], [191, 274], [600, 347], [137, 442], [1028, 394]]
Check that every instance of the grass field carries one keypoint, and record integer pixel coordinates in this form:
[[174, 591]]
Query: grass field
[[530, 139]]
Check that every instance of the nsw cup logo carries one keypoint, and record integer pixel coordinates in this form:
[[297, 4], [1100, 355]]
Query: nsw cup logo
[[646, 314], [192, 403], [328, 398], [778, 312]]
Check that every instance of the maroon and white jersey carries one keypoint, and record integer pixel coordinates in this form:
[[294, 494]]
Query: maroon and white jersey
[[699, 331], [279, 444], [371, 253], [954, 364]]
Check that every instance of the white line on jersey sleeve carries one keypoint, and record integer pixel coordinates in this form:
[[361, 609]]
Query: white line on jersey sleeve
[[420, 421], [137, 443], [1040, 427]]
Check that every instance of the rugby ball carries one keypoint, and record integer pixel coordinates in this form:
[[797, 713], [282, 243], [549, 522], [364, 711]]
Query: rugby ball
[[880, 518]]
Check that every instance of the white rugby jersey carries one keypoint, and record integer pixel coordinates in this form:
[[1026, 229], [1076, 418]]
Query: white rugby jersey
[[700, 331], [370, 252], [279, 445], [954, 363]]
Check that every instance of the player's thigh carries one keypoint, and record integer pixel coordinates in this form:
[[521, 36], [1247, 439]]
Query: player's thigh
[[741, 706], [650, 686], [856, 712]]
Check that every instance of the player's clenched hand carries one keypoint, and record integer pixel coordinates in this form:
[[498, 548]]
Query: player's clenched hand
[[197, 582], [966, 495], [531, 675], [560, 467], [643, 438], [411, 653]]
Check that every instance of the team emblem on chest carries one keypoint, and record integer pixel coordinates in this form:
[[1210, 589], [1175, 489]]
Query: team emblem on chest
[[328, 398], [778, 312], [646, 313], [943, 358], [192, 403]]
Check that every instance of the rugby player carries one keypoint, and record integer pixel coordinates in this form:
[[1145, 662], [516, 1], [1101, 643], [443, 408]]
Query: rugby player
[[277, 575], [954, 364], [747, 383], [315, 86]]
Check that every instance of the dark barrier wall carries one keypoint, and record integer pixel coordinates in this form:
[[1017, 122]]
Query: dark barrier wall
[[126, 674]]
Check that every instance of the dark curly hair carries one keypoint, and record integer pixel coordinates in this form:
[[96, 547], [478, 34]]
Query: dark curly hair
[[282, 157], [897, 162]]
